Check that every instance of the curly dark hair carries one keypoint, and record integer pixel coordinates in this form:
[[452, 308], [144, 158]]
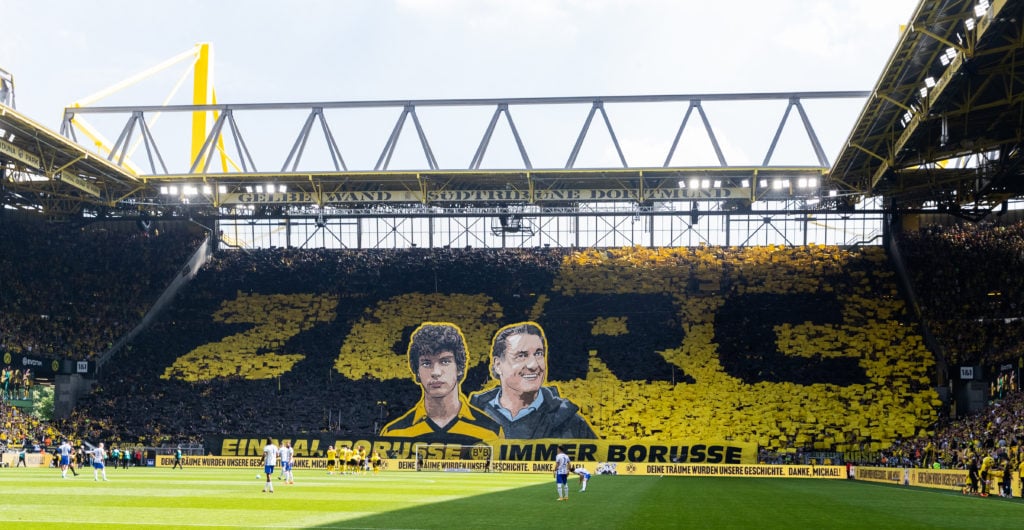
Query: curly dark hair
[[433, 338]]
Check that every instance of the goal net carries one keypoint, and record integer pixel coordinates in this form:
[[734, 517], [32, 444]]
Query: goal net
[[453, 457]]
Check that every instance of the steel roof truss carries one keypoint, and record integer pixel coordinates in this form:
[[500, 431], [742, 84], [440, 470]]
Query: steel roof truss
[[486, 140], [317, 113], [389, 147], [815, 143], [151, 147], [598, 105], [206, 149], [696, 104], [243, 150]]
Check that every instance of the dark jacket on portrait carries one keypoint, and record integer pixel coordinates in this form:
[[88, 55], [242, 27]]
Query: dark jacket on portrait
[[556, 418]]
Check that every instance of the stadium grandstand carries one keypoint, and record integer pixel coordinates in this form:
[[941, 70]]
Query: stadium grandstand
[[867, 309]]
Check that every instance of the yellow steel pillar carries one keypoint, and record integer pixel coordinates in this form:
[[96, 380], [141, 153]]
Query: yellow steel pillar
[[202, 94]]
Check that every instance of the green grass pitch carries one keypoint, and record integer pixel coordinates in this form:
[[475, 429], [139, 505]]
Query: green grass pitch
[[232, 498]]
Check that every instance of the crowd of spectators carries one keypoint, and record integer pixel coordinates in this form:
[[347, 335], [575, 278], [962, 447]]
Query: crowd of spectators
[[969, 282], [69, 293], [18, 429], [997, 431], [644, 340], [132, 403], [650, 342]]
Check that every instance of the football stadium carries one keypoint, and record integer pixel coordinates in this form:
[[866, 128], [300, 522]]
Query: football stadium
[[191, 337]]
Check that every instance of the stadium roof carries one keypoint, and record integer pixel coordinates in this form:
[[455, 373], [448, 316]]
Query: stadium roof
[[943, 125], [61, 174]]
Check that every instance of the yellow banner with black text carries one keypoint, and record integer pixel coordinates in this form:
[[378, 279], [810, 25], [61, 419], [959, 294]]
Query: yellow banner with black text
[[614, 451], [954, 479], [507, 466]]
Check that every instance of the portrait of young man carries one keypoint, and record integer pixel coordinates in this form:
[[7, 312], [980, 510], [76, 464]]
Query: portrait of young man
[[437, 358], [522, 404]]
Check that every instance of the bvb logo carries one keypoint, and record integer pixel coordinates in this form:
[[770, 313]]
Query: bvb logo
[[7, 358], [631, 468], [55, 365], [384, 465]]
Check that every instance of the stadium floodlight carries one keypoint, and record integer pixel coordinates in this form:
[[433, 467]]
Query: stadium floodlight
[[812, 182], [207, 189], [923, 92], [11, 138], [969, 24], [745, 183], [189, 190], [764, 183], [981, 8], [705, 184], [682, 184], [173, 190], [833, 193], [259, 188], [944, 60], [778, 184], [164, 190], [694, 183], [801, 182], [717, 184], [951, 53], [281, 188], [2, 133], [930, 81], [222, 189], [271, 188], [248, 189]]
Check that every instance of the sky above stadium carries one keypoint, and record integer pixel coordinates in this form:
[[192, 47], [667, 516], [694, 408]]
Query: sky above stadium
[[301, 50]]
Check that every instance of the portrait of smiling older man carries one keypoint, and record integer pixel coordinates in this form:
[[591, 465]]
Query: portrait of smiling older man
[[522, 404]]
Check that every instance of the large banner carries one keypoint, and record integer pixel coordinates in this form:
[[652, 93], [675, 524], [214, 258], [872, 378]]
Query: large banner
[[672, 452], [46, 367], [637, 355], [534, 195], [523, 418], [40, 366], [504, 466], [953, 479], [10, 459]]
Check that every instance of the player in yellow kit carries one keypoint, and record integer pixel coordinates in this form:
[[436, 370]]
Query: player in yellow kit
[[987, 464], [361, 461], [332, 459], [375, 461], [346, 458]]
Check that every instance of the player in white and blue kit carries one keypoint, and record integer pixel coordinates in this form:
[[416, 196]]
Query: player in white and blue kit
[[287, 453], [269, 461], [584, 477], [98, 465], [64, 453], [562, 474]]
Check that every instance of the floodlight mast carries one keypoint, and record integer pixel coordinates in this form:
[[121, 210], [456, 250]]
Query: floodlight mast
[[203, 93]]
